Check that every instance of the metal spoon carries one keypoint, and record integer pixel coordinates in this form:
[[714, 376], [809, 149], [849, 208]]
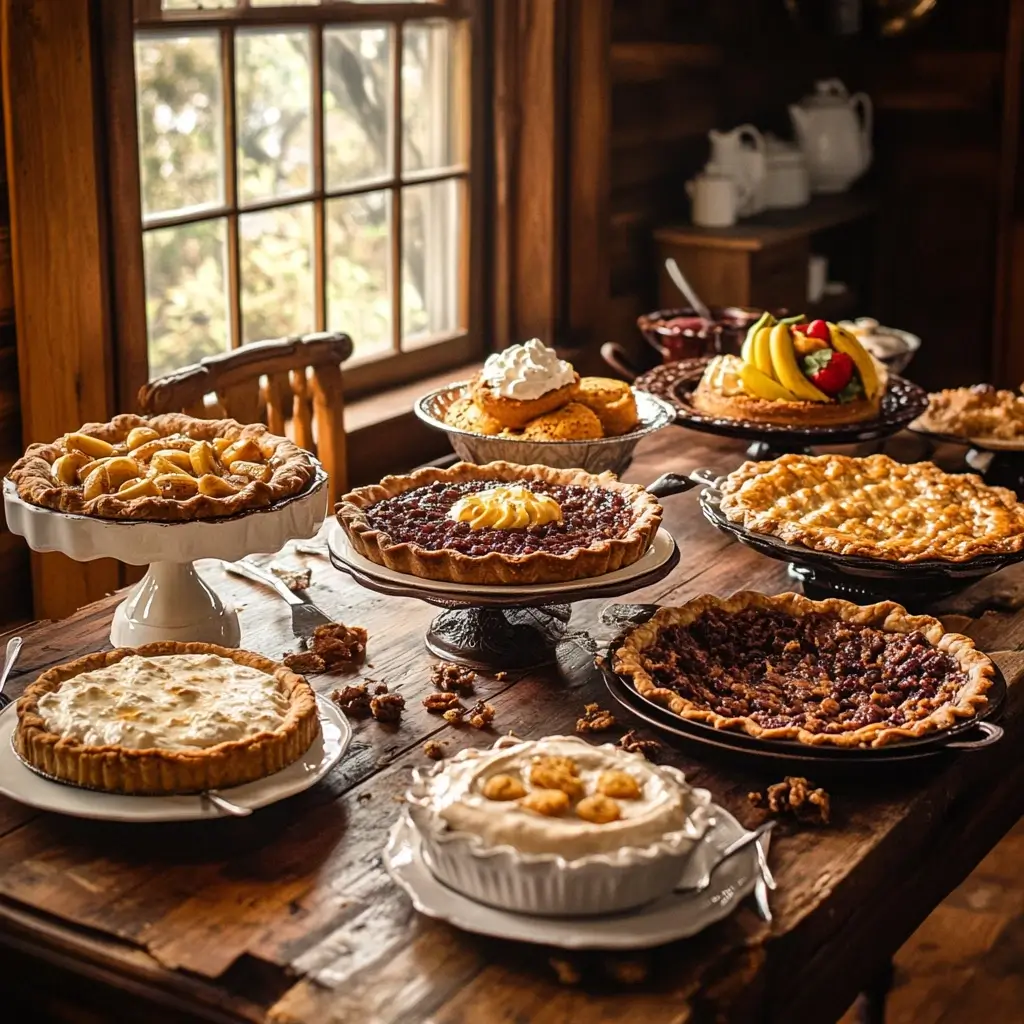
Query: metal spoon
[[13, 650], [225, 805], [679, 280], [730, 851]]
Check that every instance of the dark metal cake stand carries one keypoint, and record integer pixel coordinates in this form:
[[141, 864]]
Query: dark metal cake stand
[[501, 632]]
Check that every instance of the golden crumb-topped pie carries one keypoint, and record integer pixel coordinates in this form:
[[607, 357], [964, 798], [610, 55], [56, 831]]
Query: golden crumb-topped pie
[[501, 523], [819, 672], [874, 507], [167, 467], [165, 718], [981, 413]]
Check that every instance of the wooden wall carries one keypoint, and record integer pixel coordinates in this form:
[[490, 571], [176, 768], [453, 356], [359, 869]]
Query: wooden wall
[[942, 150]]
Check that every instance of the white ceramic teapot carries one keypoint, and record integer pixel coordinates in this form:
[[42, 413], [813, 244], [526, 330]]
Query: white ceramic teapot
[[740, 154], [834, 132]]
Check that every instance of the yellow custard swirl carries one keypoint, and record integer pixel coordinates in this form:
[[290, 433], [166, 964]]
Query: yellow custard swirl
[[506, 508]]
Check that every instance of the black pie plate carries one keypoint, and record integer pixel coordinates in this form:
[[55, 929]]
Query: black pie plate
[[675, 382], [856, 577]]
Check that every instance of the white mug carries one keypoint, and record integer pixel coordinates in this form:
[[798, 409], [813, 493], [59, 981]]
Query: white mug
[[713, 201]]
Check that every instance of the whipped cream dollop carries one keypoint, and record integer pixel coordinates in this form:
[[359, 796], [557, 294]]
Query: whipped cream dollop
[[722, 375], [174, 702], [456, 794], [511, 507], [526, 371]]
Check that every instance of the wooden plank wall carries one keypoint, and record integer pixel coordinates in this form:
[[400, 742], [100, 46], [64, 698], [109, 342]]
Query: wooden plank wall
[[679, 69]]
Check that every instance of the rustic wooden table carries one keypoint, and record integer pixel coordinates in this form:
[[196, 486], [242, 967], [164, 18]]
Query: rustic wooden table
[[290, 917]]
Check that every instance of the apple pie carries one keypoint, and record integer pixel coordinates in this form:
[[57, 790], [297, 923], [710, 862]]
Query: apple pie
[[169, 467]]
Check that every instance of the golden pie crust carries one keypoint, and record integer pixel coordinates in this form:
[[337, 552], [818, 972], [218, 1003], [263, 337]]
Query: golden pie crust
[[979, 413], [115, 769], [786, 414], [874, 507], [288, 469], [601, 556], [629, 660]]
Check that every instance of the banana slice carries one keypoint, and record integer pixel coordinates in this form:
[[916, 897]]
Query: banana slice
[[169, 460], [203, 458], [178, 486], [216, 486], [252, 470], [138, 489], [91, 446], [140, 435], [161, 444], [108, 477], [245, 449], [747, 349], [786, 368], [65, 469], [762, 352], [222, 443], [760, 385], [844, 341]]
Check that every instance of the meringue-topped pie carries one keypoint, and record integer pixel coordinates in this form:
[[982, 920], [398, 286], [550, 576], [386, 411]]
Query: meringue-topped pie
[[165, 718], [168, 467]]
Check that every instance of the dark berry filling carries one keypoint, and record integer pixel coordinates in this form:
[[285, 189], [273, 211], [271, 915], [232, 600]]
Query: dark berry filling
[[815, 672], [420, 516]]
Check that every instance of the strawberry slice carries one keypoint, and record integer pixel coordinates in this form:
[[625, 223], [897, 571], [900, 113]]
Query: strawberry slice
[[818, 329], [828, 370]]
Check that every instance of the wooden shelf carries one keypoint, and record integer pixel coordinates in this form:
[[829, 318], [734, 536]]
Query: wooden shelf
[[775, 226], [650, 61]]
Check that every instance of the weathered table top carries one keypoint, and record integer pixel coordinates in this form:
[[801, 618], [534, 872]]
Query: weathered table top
[[289, 916]]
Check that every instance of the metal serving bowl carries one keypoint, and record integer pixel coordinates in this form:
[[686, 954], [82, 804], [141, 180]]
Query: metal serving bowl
[[606, 453]]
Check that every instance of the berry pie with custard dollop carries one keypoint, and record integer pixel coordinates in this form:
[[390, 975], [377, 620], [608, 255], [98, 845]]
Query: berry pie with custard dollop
[[501, 523]]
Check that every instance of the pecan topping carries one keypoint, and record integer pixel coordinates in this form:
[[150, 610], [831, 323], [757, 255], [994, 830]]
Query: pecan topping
[[595, 719], [797, 797]]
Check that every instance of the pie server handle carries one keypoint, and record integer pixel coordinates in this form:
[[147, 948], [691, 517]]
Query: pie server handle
[[676, 483], [991, 733]]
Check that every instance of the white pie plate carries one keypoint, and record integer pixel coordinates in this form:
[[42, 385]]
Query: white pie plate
[[22, 784], [676, 916], [655, 556]]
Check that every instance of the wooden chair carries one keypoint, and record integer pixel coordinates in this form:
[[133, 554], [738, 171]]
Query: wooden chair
[[290, 383]]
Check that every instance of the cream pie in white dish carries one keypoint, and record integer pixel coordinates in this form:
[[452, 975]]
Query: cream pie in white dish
[[556, 826], [165, 718]]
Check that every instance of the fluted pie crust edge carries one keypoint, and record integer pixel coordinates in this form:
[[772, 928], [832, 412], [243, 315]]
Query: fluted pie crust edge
[[155, 772], [295, 471], [496, 568], [786, 414], [885, 615]]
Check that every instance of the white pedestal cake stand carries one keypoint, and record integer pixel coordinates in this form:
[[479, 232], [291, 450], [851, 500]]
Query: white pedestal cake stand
[[171, 602]]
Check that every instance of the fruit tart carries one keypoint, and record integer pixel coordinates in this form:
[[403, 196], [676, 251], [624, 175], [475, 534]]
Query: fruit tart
[[874, 507], [818, 672], [171, 467], [165, 718], [793, 373], [501, 523]]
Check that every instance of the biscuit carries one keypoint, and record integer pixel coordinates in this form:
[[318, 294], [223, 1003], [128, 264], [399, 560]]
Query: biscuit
[[517, 412], [612, 401], [464, 414], [573, 422]]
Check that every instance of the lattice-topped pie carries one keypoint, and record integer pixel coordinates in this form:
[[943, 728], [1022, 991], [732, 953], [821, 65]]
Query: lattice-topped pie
[[501, 523], [820, 672], [874, 507], [168, 467], [166, 718]]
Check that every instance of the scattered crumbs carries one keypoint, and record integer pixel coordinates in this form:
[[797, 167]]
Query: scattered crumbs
[[437, 703], [797, 797], [452, 678], [565, 970], [296, 580], [501, 676], [306, 663], [353, 700], [434, 749], [595, 719], [387, 707], [633, 743]]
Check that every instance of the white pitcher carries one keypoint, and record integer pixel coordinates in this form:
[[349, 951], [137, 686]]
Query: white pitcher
[[740, 154], [834, 132]]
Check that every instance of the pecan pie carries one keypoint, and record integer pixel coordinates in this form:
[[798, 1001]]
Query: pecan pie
[[165, 718], [820, 672], [501, 523], [168, 467], [874, 507]]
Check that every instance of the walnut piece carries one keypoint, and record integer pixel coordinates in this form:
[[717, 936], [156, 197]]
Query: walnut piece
[[353, 700], [595, 719], [599, 809], [797, 797], [549, 802], [618, 784], [340, 646], [480, 715], [434, 749], [545, 776], [633, 743], [380, 688], [452, 678], [503, 787], [306, 663], [455, 715], [387, 707], [435, 703]]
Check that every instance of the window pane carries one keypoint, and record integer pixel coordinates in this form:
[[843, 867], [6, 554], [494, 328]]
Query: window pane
[[429, 91], [357, 104], [273, 114], [431, 244], [186, 294], [181, 135], [276, 256], [358, 261]]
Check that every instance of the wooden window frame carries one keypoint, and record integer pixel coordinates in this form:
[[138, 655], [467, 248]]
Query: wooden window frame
[[118, 25]]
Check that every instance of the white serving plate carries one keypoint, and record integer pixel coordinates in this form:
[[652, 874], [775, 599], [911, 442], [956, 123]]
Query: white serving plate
[[676, 916], [656, 555], [22, 784]]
